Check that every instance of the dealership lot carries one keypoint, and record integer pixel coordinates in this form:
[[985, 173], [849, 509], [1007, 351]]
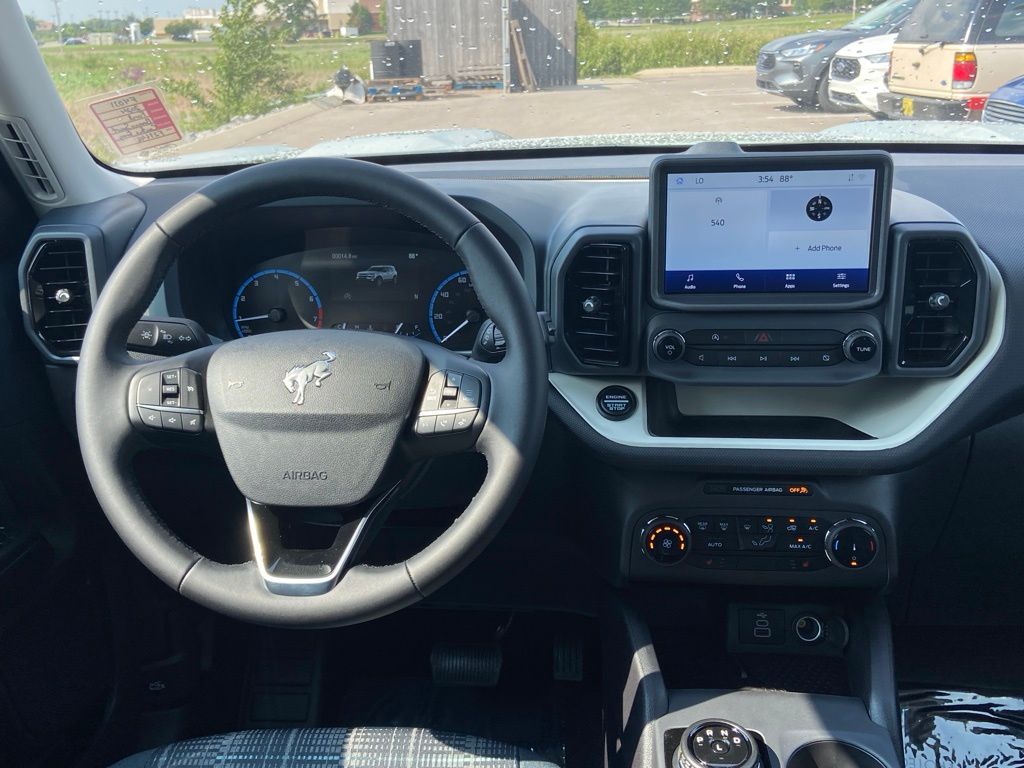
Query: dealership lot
[[701, 99]]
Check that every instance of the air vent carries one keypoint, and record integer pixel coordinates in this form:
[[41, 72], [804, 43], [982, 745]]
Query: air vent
[[27, 160], [596, 313], [940, 294], [59, 294]]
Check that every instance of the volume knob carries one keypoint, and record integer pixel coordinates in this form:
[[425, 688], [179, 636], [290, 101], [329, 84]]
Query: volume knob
[[669, 346]]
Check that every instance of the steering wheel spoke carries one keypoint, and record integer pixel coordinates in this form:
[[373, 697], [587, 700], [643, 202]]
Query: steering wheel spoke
[[167, 399], [307, 572], [451, 412]]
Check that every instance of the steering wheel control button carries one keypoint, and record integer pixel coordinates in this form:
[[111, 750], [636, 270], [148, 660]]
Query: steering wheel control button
[[717, 744], [170, 377], [171, 420], [851, 544], [450, 403], [149, 390], [860, 346], [150, 417], [666, 541], [616, 403], [189, 389], [809, 629], [470, 392], [191, 422], [669, 346]]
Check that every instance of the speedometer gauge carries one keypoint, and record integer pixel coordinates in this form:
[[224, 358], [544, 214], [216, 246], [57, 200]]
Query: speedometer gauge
[[455, 313], [276, 300]]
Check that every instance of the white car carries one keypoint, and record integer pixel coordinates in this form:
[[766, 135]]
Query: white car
[[856, 76]]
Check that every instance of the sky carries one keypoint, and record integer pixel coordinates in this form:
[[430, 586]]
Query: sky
[[76, 10]]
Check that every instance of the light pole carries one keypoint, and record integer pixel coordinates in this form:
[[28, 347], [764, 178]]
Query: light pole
[[56, 13]]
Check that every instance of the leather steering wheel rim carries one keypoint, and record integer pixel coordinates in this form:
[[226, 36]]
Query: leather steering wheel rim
[[509, 440]]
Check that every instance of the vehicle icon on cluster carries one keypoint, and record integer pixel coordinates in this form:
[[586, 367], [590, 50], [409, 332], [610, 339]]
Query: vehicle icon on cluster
[[379, 274]]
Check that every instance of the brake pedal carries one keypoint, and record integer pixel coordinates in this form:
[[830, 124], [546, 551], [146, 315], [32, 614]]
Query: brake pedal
[[472, 665]]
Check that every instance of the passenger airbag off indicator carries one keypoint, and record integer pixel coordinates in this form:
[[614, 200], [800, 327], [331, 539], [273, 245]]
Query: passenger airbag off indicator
[[616, 403]]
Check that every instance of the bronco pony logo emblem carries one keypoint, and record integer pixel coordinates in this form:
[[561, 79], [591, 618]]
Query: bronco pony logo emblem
[[297, 378]]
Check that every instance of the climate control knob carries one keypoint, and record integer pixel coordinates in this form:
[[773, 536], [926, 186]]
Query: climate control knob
[[669, 346], [860, 346], [666, 540], [851, 544]]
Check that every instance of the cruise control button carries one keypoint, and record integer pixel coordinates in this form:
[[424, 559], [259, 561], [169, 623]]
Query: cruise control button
[[190, 389], [150, 417], [445, 422], [454, 379], [191, 422], [425, 425], [149, 390], [170, 377], [171, 402], [169, 389], [470, 392], [463, 421], [450, 393]]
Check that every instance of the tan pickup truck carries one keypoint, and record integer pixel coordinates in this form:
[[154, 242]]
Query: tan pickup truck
[[950, 55]]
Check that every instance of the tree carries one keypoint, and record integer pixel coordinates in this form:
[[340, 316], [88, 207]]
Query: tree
[[361, 18], [146, 27], [248, 75], [294, 17], [181, 28]]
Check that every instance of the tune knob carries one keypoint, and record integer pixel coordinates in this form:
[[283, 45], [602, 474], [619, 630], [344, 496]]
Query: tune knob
[[851, 544], [669, 346], [860, 346]]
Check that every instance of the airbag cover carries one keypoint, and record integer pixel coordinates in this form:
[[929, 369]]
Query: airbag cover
[[311, 418]]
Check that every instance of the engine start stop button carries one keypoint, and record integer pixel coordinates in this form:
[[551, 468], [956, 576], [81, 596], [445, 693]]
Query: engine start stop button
[[616, 403]]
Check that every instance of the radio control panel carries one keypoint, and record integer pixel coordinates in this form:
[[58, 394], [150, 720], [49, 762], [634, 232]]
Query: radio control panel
[[833, 348]]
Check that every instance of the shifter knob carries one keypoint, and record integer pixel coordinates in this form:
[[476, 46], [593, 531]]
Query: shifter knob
[[717, 744]]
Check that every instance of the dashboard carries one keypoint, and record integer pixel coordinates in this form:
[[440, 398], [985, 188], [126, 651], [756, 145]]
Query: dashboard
[[871, 330], [315, 267]]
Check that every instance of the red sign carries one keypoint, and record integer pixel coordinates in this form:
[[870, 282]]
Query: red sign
[[136, 121]]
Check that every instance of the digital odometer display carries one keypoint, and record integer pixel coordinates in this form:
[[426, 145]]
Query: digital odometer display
[[799, 231]]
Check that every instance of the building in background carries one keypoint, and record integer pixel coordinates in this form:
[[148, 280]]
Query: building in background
[[480, 49], [335, 14]]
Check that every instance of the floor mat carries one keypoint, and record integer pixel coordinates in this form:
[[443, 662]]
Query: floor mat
[[958, 729]]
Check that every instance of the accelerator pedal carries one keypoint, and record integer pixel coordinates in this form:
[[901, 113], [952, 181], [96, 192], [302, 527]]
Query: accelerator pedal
[[469, 665]]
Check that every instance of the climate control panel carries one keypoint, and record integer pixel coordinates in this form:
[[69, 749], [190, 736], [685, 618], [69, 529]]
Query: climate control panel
[[760, 542]]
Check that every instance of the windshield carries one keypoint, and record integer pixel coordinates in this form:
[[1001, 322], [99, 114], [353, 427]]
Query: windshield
[[883, 17], [173, 85]]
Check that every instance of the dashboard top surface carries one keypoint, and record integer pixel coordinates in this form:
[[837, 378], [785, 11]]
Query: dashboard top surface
[[536, 207]]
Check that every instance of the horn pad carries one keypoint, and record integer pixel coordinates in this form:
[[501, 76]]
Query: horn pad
[[311, 418]]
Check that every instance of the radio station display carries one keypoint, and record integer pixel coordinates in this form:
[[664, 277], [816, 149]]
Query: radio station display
[[758, 232]]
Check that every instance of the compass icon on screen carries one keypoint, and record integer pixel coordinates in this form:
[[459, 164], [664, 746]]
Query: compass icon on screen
[[819, 208]]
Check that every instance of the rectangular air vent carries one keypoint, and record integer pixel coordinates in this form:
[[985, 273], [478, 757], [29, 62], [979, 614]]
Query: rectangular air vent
[[596, 310], [27, 160], [940, 294], [59, 293]]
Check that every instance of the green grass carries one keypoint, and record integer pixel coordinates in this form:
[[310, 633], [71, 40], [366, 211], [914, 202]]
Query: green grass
[[181, 70], [619, 51]]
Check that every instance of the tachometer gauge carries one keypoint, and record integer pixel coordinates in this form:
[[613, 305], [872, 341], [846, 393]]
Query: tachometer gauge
[[276, 300], [455, 314]]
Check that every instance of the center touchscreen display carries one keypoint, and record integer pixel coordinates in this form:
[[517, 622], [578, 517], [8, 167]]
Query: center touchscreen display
[[801, 231]]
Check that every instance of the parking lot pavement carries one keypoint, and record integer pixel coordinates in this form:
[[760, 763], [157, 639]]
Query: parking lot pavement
[[703, 99]]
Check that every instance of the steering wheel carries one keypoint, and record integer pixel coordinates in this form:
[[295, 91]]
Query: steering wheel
[[311, 418]]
